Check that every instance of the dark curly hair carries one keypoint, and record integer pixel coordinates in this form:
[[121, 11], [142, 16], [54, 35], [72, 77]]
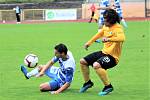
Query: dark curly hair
[[111, 16]]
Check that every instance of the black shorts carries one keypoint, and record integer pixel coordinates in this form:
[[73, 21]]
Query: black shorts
[[106, 61]]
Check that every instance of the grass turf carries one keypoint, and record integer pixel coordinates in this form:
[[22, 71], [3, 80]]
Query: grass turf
[[130, 77]]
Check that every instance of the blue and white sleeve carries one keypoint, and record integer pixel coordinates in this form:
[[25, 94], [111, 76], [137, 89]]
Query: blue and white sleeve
[[69, 74], [55, 59]]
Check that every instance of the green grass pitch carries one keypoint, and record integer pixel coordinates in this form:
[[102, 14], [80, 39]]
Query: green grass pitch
[[130, 77]]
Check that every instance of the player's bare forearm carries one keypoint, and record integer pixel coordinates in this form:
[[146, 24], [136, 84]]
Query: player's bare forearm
[[49, 64], [106, 8], [103, 8], [64, 87], [45, 67]]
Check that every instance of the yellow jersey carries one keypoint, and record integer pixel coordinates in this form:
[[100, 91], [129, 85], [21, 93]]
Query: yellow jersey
[[116, 37]]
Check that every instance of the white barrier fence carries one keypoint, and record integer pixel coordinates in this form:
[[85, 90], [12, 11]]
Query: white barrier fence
[[40, 14], [63, 14]]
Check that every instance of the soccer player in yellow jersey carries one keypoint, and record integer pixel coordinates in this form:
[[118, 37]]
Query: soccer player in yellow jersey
[[112, 36]]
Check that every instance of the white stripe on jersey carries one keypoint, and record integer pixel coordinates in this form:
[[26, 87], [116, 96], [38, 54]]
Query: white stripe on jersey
[[70, 62], [61, 76], [64, 65], [118, 8], [104, 3]]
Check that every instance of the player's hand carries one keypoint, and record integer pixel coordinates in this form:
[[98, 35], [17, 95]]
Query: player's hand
[[40, 74], [54, 92], [40, 67], [105, 39], [86, 46]]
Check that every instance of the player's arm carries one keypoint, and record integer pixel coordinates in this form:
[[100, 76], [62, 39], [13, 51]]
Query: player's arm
[[103, 8], [45, 67], [64, 87], [69, 77], [94, 38], [106, 8]]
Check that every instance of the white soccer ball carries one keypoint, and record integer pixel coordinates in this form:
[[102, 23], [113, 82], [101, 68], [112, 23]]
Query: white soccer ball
[[31, 60]]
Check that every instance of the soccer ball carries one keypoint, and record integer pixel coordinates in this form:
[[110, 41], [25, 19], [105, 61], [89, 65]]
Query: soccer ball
[[31, 60]]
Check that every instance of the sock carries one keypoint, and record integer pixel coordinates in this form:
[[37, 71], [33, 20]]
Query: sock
[[124, 23], [108, 86], [34, 72]]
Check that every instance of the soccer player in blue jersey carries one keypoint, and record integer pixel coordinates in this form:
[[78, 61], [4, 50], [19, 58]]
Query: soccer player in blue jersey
[[105, 5], [118, 9], [61, 76]]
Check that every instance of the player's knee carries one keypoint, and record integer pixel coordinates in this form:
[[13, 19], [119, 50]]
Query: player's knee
[[83, 62], [41, 87], [44, 87], [96, 65]]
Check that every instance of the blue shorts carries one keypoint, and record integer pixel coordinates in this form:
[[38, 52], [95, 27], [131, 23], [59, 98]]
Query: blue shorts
[[54, 84], [52, 72]]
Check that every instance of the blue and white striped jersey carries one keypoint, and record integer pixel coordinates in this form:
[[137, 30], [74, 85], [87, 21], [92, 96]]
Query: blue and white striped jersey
[[104, 3], [118, 8], [66, 69]]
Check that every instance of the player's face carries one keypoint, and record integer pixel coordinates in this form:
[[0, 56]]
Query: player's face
[[57, 54], [106, 23]]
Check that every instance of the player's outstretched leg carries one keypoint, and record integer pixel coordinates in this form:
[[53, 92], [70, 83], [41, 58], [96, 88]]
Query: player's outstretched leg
[[106, 90], [86, 85], [24, 71]]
